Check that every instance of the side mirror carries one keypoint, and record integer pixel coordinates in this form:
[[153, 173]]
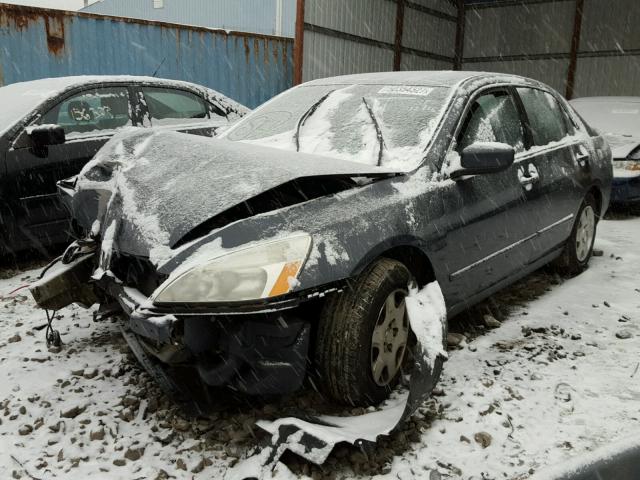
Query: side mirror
[[484, 157], [45, 135]]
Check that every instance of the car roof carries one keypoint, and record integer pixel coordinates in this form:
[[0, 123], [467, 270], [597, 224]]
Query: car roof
[[432, 78], [21, 99], [59, 84]]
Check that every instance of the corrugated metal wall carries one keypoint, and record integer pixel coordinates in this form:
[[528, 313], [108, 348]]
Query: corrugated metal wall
[[257, 16], [579, 47], [376, 35], [533, 40], [39, 43], [609, 54]]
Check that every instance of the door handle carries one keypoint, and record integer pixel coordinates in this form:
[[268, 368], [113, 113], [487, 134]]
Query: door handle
[[582, 156], [533, 176]]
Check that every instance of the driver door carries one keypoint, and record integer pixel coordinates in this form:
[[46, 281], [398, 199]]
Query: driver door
[[488, 224], [89, 117]]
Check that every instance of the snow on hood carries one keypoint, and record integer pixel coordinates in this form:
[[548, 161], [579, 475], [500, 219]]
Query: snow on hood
[[168, 183]]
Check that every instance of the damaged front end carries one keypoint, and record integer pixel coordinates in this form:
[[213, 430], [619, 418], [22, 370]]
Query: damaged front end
[[208, 282], [257, 352]]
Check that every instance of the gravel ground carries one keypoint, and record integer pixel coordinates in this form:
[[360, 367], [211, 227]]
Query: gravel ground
[[542, 371]]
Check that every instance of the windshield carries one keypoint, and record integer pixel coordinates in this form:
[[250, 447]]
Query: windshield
[[618, 117], [18, 100], [381, 125]]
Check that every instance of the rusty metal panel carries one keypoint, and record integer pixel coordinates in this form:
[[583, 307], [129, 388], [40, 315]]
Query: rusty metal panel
[[428, 33], [612, 25], [271, 17], [553, 72], [374, 19], [618, 75], [535, 28], [39, 43], [327, 56]]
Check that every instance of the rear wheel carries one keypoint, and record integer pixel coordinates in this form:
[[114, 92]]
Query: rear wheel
[[579, 247], [363, 336]]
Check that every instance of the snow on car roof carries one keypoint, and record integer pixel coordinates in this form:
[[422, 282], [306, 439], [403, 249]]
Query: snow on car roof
[[20, 99], [434, 78]]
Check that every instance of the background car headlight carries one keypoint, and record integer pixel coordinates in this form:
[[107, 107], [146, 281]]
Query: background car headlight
[[260, 271], [629, 165]]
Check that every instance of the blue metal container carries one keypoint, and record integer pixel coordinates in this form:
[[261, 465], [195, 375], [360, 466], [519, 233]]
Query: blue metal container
[[271, 17], [40, 43]]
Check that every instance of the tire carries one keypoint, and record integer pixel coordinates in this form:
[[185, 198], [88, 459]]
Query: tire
[[346, 352], [579, 247]]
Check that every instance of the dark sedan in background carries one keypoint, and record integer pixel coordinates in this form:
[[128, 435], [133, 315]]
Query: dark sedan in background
[[618, 118], [288, 246], [50, 128]]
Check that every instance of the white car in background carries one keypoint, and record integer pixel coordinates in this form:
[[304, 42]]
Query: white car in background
[[618, 118]]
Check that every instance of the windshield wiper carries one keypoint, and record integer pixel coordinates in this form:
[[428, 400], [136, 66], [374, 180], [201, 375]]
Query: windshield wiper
[[378, 130], [305, 117]]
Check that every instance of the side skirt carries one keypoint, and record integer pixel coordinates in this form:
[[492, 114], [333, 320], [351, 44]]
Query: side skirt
[[521, 273]]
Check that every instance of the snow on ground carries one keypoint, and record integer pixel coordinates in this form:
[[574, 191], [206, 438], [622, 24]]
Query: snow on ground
[[554, 380], [558, 378]]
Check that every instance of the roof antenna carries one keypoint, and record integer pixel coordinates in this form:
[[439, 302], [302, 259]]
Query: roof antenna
[[158, 68]]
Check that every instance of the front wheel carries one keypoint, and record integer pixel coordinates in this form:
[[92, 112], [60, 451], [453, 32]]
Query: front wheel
[[363, 336], [579, 247]]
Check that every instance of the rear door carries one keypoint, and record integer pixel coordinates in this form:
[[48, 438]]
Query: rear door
[[89, 117], [550, 169], [180, 110], [488, 226]]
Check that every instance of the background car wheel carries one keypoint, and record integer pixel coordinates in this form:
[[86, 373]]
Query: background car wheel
[[363, 336], [579, 247]]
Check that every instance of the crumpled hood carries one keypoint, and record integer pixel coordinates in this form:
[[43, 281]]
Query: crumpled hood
[[168, 183], [622, 145]]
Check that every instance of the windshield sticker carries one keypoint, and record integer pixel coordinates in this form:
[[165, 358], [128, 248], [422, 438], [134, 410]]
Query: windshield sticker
[[406, 90]]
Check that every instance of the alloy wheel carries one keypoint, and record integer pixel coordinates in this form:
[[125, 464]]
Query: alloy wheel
[[585, 233], [389, 338]]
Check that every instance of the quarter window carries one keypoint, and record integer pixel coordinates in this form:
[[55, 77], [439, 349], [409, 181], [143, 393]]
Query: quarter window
[[546, 119], [97, 110], [493, 117], [168, 106]]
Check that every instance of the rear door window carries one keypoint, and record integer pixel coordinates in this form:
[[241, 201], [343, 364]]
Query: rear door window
[[168, 106], [493, 117], [95, 111], [546, 118]]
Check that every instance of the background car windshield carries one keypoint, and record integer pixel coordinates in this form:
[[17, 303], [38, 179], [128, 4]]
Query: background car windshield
[[347, 121], [615, 117]]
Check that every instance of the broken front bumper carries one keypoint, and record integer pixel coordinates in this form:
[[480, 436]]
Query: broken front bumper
[[62, 284], [257, 354], [260, 353]]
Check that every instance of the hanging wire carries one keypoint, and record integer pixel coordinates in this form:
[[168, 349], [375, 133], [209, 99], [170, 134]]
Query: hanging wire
[[52, 336]]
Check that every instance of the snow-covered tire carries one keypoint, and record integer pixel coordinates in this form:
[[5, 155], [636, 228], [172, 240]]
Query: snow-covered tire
[[579, 247], [345, 351]]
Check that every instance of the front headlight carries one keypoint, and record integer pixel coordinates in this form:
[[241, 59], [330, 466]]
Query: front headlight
[[260, 271]]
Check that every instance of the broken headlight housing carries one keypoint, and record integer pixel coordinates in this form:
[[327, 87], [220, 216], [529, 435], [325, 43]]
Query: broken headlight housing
[[260, 271]]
